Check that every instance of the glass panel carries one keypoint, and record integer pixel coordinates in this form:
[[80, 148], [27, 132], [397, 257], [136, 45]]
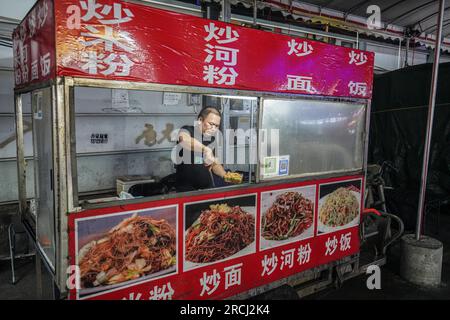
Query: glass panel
[[8, 144], [126, 137], [99, 173], [240, 119], [28, 146], [43, 163], [131, 135], [317, 136], [7, 138]]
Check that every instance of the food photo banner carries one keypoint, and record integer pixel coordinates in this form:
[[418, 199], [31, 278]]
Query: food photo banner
[[118, 40], [213, 246]]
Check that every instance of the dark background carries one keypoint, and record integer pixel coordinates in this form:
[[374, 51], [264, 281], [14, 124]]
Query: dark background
[[397, 134]]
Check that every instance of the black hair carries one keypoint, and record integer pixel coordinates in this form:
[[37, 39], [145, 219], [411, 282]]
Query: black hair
[[206, 111]]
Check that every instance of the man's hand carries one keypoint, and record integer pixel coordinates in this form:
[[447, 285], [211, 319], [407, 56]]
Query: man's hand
[[208, 156]]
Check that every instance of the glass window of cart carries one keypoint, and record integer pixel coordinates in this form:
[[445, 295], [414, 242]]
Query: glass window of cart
[[8, 152], [304, 137], [126, 140], [43, 137]]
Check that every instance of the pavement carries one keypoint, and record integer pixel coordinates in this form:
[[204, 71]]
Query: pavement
[[25, 287], [393, 287]]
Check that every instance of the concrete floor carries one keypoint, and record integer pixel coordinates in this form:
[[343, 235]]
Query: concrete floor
[[392, 285], [25, 287]]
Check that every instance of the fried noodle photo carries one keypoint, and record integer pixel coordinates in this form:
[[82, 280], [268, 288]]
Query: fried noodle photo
[[136, 247], [289, 216], [340, 208], [218, 233]]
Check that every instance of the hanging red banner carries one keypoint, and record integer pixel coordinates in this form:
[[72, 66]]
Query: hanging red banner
[[118, 40]]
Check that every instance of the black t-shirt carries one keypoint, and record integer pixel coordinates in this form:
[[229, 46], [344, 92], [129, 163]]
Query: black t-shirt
[[194, 174]]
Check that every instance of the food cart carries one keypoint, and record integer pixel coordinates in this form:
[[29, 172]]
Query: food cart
[[101, 89]]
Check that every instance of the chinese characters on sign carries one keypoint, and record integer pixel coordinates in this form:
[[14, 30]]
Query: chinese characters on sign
[[164, 292], [358, 88], [107, 46], [118, 40], [269, 264], [211, 282], [287, 259], [300, 49], [332, 244], [221, 60], [299, 83], [357, 59], [222, 279], [99, 138], [32, 58], [304, 254]]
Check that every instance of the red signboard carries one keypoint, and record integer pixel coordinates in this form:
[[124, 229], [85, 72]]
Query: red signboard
[[213, 246], [34, 46], [117, 40]]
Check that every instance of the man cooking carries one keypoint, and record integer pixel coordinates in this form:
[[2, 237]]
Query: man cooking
[[202, 168]]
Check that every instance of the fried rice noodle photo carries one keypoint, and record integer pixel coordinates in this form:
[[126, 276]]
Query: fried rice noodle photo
[[136, 247], [289, 216]]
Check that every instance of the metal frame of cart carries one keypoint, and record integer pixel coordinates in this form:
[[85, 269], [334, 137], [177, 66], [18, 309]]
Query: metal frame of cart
[[64, 170]]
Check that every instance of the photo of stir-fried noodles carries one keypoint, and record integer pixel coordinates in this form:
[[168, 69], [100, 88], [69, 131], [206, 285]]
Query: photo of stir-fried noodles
[[219, 233], [136, 247], [289, 216], [340, 208]]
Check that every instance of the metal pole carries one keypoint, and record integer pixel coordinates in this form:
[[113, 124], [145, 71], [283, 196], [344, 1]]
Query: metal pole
[[226, 10], [432, 103], [399, 52], [255, 13], [357, 40], [20, 154], [406, 52]]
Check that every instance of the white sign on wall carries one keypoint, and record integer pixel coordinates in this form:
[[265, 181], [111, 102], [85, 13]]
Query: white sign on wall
[[171, 98]]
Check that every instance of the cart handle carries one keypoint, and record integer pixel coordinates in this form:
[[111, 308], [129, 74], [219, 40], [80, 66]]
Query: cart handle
[[371, 210]]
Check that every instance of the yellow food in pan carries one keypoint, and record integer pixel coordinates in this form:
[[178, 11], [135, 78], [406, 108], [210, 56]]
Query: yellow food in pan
[[233, 177]]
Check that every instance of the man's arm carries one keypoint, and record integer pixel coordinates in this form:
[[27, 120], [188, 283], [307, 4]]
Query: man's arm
[[189, 143], [218, 169]]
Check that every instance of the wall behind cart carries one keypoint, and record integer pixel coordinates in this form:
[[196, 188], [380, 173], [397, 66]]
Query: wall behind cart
[[134, 127], [397, 134]]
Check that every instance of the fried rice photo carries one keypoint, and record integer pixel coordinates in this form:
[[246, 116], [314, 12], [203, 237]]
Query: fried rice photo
[[340, 208]]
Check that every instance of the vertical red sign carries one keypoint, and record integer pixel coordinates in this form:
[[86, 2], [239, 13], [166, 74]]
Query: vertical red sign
[[34, 45]]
